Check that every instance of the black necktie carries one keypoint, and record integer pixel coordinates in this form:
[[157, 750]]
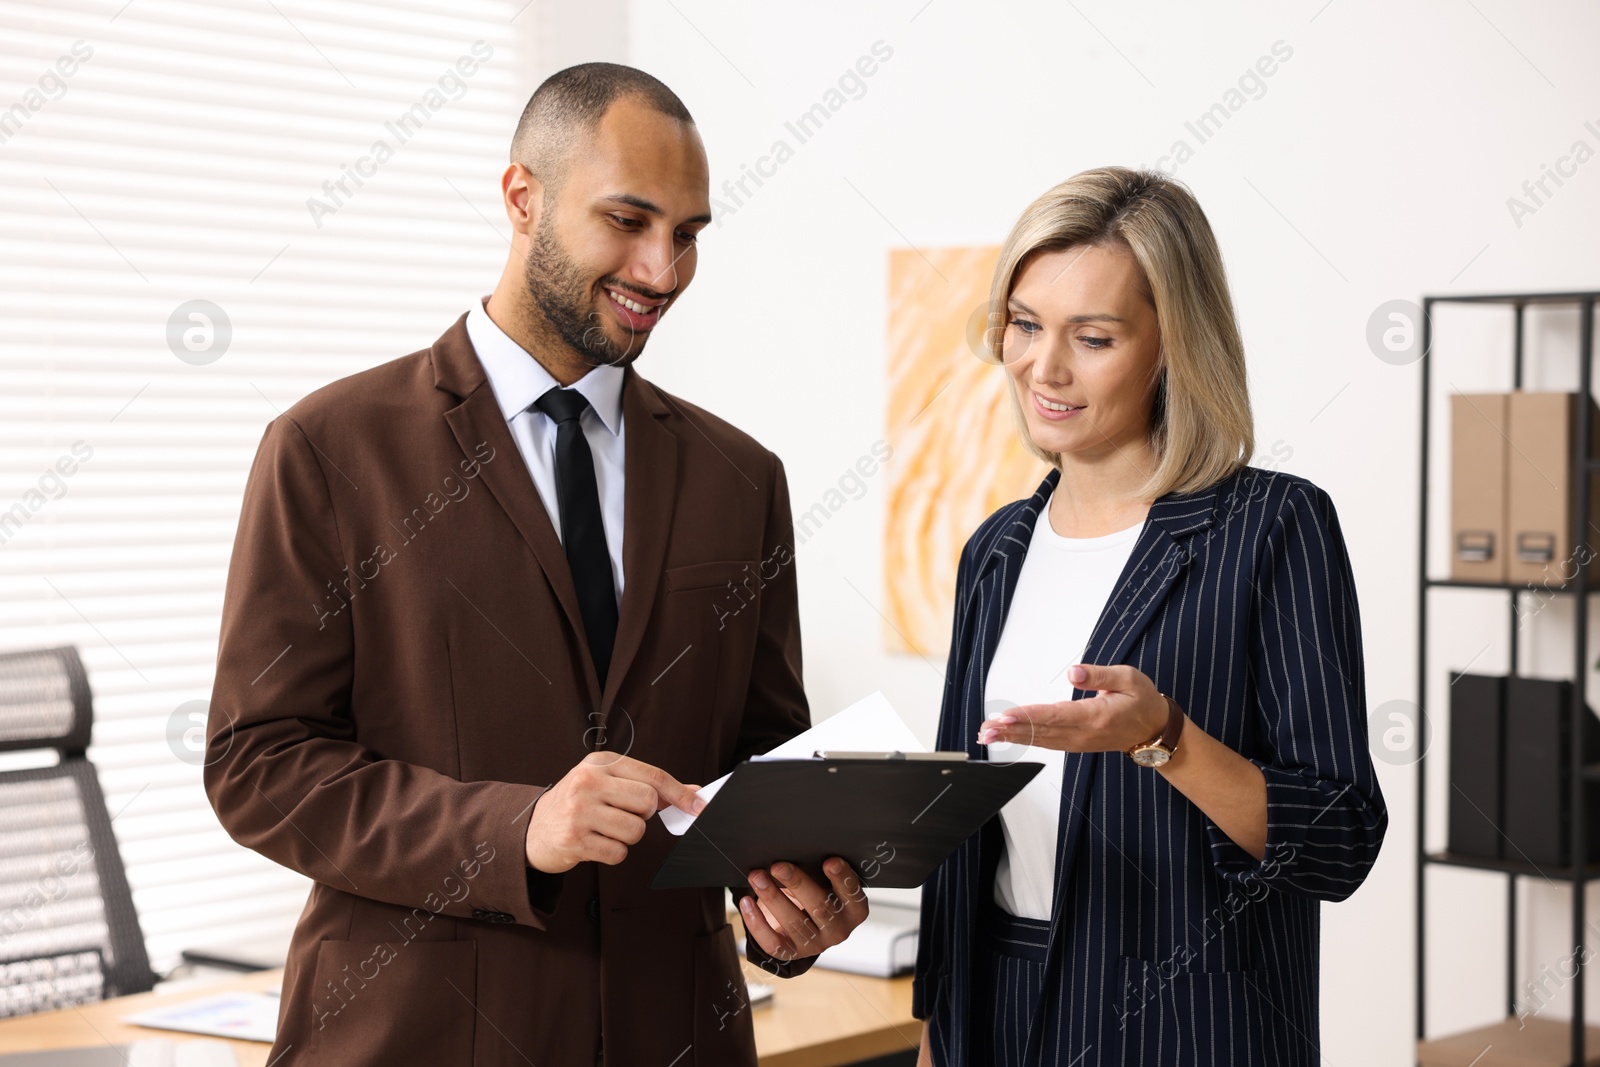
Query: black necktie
[[583, 534]]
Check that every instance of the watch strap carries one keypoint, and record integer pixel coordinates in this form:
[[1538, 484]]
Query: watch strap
[[1168, 739], [1169, 736]]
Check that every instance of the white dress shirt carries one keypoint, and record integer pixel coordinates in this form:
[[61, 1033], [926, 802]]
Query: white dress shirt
[[1061, 591], [518, 380]]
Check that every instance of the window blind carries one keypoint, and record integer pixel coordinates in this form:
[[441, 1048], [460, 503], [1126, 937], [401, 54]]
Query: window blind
[[207, 210]]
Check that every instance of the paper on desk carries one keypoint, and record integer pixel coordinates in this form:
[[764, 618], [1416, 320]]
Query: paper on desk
[[868, 725], [159, 1052], [242, 1015]]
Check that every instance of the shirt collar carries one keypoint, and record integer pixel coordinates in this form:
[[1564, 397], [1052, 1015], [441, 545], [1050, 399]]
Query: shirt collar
[[518, 379]]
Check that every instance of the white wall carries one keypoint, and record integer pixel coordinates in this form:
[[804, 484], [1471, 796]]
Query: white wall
[[1375, 165]]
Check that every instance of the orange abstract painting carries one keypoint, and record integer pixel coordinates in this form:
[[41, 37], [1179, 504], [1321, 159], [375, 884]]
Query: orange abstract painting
[[956, 453]]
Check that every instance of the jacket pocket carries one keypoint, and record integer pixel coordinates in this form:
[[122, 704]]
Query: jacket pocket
[[393, 1002], [716, 574], [1167, 1016], [724, 1036]]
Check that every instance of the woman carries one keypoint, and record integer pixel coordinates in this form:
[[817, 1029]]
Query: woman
[[1152, 896]]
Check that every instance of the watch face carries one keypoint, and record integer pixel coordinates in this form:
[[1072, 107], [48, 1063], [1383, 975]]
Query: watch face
[[1150, 757]]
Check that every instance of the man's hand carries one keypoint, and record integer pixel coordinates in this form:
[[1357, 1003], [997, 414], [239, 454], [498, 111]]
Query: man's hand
[[600, 808], [797, 917]]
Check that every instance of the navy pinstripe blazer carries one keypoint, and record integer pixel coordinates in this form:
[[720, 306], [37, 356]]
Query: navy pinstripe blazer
[[1169, 944]]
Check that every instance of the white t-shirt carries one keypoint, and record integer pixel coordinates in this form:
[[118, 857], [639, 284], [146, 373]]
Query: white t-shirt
[[1064, 585]]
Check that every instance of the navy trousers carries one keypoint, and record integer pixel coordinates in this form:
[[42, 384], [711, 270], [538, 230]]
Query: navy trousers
[[1010, 976]]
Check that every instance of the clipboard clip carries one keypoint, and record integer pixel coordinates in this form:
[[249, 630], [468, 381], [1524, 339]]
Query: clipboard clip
[[834, 753]]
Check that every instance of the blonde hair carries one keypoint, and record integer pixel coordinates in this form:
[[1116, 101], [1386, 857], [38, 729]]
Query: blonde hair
[[1200, 425]]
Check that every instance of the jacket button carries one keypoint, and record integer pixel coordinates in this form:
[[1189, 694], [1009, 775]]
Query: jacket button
[[480, 913], [594, 909]]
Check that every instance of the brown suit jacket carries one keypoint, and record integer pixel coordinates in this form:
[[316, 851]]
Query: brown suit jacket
[[403, 670]]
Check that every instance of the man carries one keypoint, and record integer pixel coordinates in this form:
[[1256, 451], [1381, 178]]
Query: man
[[476, 634]]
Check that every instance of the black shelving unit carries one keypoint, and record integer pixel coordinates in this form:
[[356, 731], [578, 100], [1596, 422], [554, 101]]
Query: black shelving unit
[[1580, 589]]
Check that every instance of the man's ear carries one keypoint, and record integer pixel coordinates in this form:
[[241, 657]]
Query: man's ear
[[523, 194]]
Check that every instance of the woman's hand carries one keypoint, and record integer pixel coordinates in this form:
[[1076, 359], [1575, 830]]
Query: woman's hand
[[1126, 710]]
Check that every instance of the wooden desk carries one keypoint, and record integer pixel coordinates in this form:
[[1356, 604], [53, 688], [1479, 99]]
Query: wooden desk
[[824, 1018], [93, 1025], [821, 1019]]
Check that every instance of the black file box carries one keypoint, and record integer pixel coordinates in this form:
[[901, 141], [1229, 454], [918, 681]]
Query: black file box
[[1476, 811], [1538, 782]]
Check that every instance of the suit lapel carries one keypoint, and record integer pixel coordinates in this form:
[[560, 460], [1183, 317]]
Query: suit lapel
[[1153, 566], [650, 466], [1160, 555], [478, 418], [650, 475], [983, 613], [998, 584], [981, 608]]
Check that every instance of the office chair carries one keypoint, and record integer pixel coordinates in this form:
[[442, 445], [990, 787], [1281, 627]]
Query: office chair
[[68, 930]]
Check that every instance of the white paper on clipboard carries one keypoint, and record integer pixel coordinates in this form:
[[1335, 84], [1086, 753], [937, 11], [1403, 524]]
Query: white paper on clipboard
[[868, 725]]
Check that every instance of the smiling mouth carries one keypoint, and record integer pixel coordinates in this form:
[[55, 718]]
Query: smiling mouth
[[635, 306], [1052, 405], [636, 315]]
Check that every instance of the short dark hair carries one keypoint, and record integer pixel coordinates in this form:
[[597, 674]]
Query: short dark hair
[[570, 104]]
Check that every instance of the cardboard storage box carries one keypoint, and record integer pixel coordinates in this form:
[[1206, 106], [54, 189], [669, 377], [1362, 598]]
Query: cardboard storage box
[[1478, 487], [1541, 491]]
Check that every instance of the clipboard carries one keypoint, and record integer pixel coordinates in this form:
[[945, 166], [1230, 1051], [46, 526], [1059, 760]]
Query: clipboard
[[894, 816]]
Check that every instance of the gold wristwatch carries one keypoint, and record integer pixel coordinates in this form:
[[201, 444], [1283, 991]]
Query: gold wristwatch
[[1158, 750]]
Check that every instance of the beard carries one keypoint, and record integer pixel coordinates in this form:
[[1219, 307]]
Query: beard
[[560, 289]]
